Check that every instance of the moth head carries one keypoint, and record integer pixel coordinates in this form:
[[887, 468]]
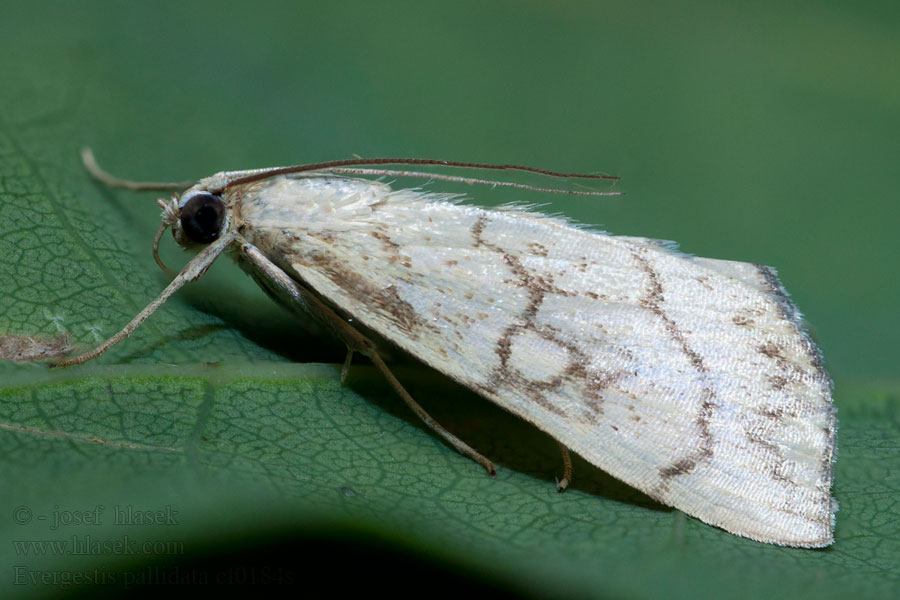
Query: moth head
[[201, 218], [198, 217]]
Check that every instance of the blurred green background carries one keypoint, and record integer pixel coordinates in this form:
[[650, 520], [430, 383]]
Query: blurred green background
[[767, 132]]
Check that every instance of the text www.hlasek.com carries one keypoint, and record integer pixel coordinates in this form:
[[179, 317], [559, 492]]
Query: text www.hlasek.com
[[87, 545]]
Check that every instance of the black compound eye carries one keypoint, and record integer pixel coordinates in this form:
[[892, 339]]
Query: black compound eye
[[201, 218]]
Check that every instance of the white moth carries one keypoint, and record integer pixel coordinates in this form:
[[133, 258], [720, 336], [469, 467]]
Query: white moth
[[691, 379]]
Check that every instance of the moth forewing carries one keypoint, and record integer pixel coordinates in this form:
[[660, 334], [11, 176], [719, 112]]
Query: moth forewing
[[691, 379], [688, 378]]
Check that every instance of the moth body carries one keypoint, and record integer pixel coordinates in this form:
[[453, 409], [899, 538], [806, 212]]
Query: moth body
[[691, 379]]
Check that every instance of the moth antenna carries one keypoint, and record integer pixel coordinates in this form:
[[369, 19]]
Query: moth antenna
[[467, 180], [90, 164], [350, 162]]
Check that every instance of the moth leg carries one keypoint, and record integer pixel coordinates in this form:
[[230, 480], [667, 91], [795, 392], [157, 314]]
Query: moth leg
[[191, 272], [284, 286], [346, 370], [563, 483], [451, 439]]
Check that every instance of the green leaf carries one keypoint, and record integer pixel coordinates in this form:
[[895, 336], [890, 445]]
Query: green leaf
[[222, 424], [265, 447]]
